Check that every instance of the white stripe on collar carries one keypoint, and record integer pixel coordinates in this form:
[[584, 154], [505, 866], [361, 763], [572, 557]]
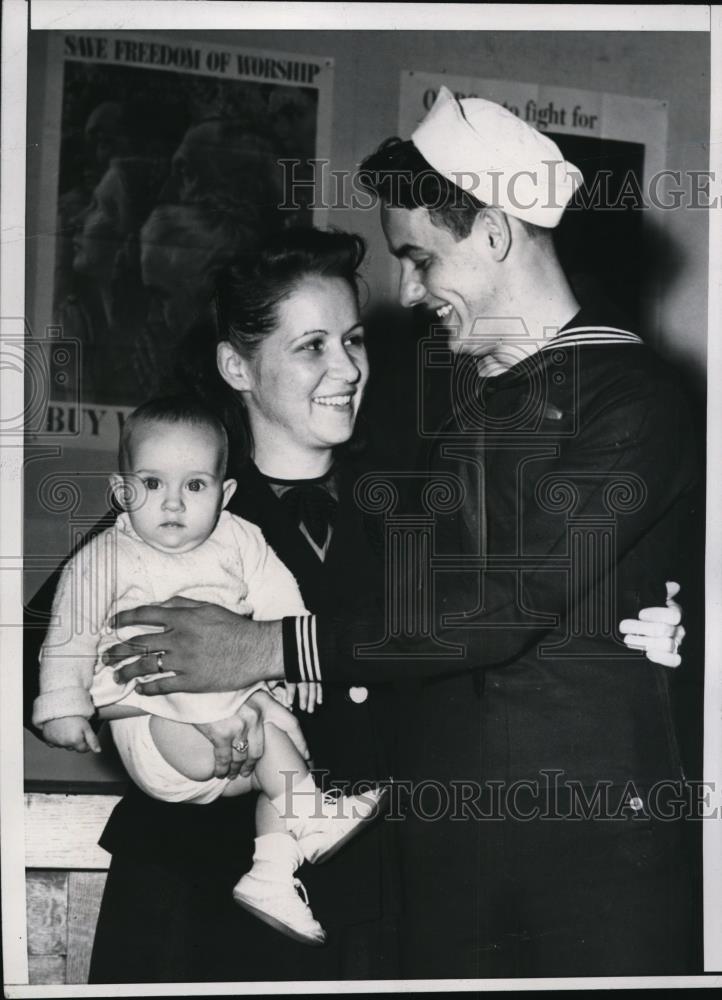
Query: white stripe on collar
[[583, 335]]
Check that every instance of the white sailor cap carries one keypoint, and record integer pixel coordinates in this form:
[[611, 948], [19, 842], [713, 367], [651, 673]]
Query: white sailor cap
[[489, 152]]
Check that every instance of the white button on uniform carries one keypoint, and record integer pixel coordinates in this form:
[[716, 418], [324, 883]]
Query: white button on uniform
[[636, 803], [358, 695]]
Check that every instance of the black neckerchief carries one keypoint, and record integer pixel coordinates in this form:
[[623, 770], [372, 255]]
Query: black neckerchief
[[311, 503]]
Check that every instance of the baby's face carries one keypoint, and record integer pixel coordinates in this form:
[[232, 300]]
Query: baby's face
[[176, 485]]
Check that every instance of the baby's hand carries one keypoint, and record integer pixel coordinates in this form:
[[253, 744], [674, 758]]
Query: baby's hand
[[72, 732]]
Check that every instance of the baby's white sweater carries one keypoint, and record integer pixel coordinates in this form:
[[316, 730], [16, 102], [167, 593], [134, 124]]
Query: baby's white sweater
[[116, 571]]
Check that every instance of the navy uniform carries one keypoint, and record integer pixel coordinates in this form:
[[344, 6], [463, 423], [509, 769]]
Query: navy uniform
[[577, 466]]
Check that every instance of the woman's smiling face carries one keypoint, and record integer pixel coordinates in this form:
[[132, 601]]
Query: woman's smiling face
[[304, 384]]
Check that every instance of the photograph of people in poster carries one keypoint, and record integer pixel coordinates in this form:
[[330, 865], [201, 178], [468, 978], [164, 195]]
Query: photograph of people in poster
[[168, 166]]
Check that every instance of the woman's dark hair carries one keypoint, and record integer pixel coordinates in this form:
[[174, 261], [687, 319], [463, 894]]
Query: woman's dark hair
[[250, 292], [247, 300], [400, 176]]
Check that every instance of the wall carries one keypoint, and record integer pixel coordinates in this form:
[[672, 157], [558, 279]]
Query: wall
[[666, 66]]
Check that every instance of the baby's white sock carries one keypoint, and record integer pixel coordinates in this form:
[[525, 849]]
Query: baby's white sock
[[276, 857]]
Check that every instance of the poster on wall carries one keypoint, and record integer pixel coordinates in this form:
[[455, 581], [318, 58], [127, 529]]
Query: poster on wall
[[619, 144], [162, 161]]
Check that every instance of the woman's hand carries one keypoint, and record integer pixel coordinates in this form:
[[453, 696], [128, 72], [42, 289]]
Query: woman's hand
[[205, 646], [657, 631], [245, 727]]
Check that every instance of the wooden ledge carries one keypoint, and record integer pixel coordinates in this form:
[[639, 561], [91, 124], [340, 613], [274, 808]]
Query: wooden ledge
[[62, 831]]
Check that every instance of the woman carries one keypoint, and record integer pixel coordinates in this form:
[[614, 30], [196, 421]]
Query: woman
[[294, 370]]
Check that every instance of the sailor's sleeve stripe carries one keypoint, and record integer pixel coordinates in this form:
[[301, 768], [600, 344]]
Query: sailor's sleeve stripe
[[300, 649]]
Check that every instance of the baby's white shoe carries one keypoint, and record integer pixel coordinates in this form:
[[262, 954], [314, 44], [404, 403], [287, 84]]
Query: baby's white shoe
[[280, 905], [337, 820], [270, 890]]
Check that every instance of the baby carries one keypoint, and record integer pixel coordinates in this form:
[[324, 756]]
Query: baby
[[174, 539]]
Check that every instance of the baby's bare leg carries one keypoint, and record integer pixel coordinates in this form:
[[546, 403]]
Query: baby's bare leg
[[279, 769], [190, 753], [281, 765], [268, 819]]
